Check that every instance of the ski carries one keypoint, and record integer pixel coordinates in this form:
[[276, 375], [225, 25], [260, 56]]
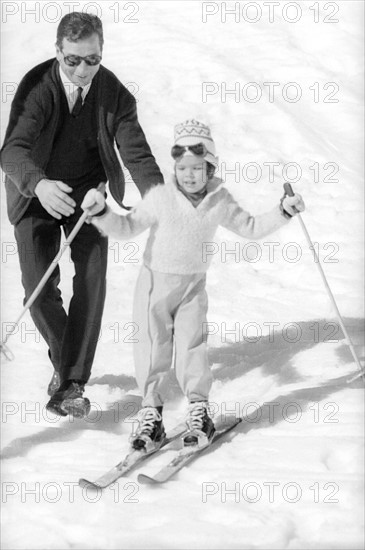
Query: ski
[[187, 454], [356, 376], [130, 461]]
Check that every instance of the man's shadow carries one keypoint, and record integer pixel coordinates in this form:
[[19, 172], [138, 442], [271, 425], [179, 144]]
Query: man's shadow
[[273, 354]]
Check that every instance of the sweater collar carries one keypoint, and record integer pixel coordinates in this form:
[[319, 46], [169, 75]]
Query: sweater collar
[[194, 198]]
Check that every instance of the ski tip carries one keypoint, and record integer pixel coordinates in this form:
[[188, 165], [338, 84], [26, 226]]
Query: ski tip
[[146, 480], [356, 376], [86, 484]]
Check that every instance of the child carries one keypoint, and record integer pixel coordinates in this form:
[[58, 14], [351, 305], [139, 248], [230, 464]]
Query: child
[[170, 300]]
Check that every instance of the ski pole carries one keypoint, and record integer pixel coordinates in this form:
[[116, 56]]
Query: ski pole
[[3, 348], [289, 191]]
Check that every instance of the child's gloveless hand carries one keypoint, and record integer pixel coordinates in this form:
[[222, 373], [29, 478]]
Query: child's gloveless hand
[[293, 205], [94, 202]]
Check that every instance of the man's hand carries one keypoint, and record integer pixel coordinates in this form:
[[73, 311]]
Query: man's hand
[[293, 205], [94, 202], [53, 196]]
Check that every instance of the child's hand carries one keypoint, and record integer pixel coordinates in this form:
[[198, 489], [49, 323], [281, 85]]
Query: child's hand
[[94, 202], [293, 205]]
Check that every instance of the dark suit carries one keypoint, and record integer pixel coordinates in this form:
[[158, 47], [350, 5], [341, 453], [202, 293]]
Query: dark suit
[[41, 142]]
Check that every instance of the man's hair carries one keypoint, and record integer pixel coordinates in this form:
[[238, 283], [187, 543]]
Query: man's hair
[[77, 26]]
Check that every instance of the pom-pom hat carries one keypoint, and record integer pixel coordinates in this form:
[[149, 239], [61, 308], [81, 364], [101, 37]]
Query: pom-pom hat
[[192, 132]]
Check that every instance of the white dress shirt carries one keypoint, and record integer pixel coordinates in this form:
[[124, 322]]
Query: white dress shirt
[[71, 90]]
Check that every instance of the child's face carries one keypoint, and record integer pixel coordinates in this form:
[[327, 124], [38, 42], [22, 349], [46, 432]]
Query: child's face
[[191, 173]]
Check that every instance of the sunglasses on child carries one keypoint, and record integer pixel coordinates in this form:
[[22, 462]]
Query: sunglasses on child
[[198, 149], [75, 60]]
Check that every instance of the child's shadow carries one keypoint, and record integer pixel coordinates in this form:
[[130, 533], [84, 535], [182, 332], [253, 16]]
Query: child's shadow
[[289, 408], [273, 354]]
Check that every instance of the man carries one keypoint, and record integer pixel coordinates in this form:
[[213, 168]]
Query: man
[[66, 117]]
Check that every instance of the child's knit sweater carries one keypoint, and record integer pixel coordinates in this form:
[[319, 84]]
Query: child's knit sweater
[[180, 233]]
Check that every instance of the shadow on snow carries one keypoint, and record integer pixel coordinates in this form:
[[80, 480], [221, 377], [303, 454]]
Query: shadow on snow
[[274, 354]]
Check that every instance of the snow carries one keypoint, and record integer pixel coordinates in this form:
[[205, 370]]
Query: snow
[[290, 476]]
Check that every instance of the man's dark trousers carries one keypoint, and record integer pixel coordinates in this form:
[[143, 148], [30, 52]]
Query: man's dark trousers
[[72, 337]]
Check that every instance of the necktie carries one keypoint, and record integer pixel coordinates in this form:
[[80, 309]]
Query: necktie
[[78, 105]]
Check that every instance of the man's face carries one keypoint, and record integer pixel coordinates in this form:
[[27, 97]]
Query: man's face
[[82, 74]]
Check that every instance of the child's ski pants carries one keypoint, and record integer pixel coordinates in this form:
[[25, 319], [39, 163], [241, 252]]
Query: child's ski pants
[[170, 310]]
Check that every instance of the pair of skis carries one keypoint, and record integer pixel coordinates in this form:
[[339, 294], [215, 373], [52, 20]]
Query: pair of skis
[[186, 455]]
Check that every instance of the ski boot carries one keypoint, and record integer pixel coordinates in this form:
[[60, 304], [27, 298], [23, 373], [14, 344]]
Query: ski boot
[[200, 425], [68, 399], [150, 433]]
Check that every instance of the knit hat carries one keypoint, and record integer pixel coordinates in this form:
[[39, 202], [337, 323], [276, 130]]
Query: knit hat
[[192, 132]]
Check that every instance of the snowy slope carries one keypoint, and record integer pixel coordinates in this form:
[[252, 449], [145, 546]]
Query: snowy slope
[[291, 475]]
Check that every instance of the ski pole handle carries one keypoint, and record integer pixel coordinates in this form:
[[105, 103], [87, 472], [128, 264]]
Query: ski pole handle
[[288, 189]]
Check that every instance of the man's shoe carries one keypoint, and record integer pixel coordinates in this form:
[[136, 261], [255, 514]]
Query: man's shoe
[[68, 399], [54, 384], [200, 425], [150, 433]]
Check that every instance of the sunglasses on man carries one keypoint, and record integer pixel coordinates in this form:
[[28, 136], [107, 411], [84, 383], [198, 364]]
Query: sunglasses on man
[[75, 60]]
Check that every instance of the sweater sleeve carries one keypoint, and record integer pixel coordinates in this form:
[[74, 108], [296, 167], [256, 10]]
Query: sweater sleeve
[[127, 226], [25, 125], [253, 227]]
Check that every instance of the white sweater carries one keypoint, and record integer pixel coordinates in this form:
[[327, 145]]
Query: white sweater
[[179, 232]]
